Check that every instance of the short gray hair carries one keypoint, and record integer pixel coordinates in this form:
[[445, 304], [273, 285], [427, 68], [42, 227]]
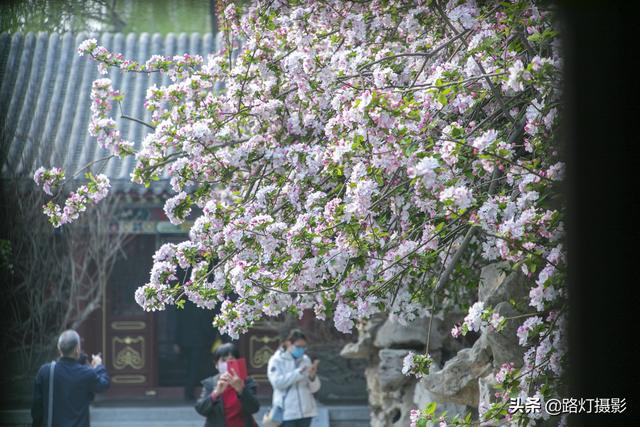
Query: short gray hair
[[68, 342]]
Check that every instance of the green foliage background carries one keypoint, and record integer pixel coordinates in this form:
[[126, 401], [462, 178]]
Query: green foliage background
[[152, 16]]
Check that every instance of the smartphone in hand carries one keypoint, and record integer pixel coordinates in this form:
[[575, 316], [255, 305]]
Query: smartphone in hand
[[239, 366]]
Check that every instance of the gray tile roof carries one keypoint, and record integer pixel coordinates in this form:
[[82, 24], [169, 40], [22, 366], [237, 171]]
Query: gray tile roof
[[44, 99]]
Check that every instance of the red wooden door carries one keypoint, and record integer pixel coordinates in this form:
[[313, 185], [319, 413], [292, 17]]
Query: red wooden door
[[129, 331], [257, 346]]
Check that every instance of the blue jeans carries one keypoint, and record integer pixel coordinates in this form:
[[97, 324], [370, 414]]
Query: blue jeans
[[300, 422]]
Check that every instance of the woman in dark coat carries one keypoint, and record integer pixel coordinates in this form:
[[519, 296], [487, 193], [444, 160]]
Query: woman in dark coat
[[226, 400]]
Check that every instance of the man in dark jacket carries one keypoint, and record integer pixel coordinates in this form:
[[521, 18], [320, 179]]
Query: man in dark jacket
[[74, 385]]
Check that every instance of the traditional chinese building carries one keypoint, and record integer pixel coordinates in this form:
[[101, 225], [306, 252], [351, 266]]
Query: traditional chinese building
[[44, 109]]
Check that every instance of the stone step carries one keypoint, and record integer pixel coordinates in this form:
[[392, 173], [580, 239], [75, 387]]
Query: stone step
[[198, 423], [171, 417], [146, 414]]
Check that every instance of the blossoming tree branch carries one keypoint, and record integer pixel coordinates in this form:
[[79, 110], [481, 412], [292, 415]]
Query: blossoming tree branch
[[354, 157]]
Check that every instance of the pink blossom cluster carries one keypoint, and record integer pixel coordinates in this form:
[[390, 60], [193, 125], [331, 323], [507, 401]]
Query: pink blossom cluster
[[176, 66], [101, 125], [48, 179], [526, 327], [473, 319], [477, 318], [407, 363], [416, 364], [414, 416], [78, 201], [341, 151], [505, 370], [172, 208]]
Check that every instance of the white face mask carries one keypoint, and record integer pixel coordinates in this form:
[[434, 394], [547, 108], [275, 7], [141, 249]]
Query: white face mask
[[222, 367]]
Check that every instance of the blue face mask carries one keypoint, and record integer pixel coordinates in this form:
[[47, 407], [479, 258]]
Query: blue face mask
[[297, 352]]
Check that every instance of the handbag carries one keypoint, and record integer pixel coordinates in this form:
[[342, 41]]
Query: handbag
[[274, 417]]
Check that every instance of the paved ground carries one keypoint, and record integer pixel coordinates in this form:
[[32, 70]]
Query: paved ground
[[168, 417], [186, 416]]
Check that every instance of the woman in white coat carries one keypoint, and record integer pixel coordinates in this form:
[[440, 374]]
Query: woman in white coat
[[293, 378]]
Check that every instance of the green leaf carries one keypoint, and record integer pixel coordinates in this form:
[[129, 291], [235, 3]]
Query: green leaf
[[431, 408], [358, 141], [456, 132], [442, 99]]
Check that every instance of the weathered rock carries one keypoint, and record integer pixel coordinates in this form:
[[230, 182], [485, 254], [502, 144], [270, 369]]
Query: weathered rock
[[390, 369], [389, 407], [504, 344], [486, 393], [370, 327], [396, 409], [394, 335], [450, 345], [457, 381], [376, 396], [491, 278], [356, 350], [422, 397], [363, 348], [466, 379], [341, 378], [378, 418], [498, 284], [400, 415]]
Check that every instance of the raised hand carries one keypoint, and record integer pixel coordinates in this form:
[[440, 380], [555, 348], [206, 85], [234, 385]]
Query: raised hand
[[313, 369], [96, 360], [236, 382], [221, 385]]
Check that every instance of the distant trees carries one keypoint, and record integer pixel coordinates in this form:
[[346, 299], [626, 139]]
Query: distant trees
[[108, 16], [52, 280], [61, 16]]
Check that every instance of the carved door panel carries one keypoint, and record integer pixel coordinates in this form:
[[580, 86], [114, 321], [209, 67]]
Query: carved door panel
[[129, 344], [257, 346]]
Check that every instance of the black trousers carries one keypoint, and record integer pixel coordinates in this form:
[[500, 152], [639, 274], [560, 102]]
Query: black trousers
[[300, 422]]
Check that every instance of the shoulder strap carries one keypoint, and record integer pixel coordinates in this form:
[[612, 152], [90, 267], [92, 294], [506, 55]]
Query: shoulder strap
[[288, 388], [50, 409], [285, 395]]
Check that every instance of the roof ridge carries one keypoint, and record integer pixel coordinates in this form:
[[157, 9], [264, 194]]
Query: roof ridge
[[99, 33]]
